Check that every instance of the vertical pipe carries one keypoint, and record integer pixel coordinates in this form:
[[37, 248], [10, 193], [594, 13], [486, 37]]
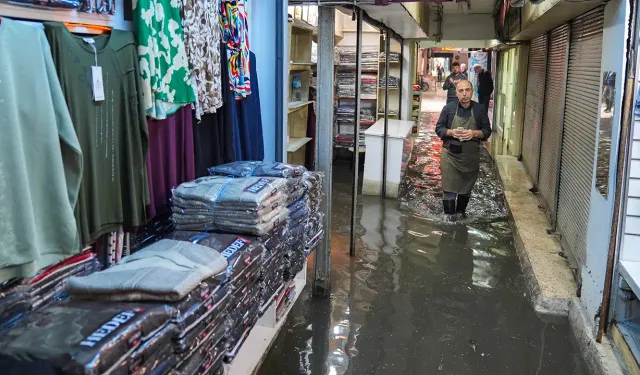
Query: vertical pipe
[[356, 135], [324, 144], [386, 112], [622, 171], [401, 113], [279, 86]]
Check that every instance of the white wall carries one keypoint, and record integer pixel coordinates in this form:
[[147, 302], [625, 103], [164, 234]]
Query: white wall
[[477, 27], [600, 216]]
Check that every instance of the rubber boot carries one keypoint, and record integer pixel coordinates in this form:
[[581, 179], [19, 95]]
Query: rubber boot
[[449, 206], [461, 205]]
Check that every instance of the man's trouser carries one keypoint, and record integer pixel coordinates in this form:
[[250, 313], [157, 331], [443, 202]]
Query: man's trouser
[[484, 100]]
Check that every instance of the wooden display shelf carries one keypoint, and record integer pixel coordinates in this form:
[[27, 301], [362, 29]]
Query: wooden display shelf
[[262, 336], [294, 106], [296, 143], [300, 66]]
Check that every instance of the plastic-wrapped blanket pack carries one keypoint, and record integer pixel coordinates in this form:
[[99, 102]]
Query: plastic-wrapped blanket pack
[[19, 296], [88, 337], [251, 205]]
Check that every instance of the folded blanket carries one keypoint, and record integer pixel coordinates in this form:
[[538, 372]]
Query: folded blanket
[[252, 192], [165, 271], [258, 168]]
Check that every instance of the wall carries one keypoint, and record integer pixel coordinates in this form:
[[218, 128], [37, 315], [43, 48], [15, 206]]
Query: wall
[[613, 58], [463, 27], [262, 17]]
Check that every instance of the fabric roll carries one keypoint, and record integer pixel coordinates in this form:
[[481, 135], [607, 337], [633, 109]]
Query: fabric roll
[[170, 160]]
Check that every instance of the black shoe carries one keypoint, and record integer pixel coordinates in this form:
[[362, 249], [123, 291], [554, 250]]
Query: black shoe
[[449, 206], [461, 205]]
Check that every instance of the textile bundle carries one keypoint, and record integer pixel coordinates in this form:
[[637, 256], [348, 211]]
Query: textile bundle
[[394, 82]]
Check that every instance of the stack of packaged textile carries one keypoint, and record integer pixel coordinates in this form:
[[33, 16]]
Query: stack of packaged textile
[[343, 140], [368, 86], [394, 57], [346, 84], [20, 296], [394, 82], [252, 205]]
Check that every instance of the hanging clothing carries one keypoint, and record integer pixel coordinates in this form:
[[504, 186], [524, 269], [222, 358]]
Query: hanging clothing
[[164, 67], [201, 22], [234, 18], [230, 109], [40, 156], [170, 161], [213, 137], [250, 120], [112, 132]]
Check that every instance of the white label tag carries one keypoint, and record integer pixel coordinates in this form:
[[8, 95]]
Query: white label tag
[[96, 83], [89, 40]]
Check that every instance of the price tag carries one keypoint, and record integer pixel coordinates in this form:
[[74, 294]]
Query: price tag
[[96, 83]]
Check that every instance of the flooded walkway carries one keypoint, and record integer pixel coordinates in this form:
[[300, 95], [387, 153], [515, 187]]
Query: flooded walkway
[[422, 296]]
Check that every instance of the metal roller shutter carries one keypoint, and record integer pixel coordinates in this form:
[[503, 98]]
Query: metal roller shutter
[[552, 119], [580, 129], [534, 100]]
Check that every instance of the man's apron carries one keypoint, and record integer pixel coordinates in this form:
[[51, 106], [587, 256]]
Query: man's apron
[[460, 161]]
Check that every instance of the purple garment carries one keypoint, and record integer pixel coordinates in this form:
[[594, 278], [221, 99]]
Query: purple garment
[[170, 161]]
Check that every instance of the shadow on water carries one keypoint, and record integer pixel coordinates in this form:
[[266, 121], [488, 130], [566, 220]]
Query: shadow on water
[[422, 296]]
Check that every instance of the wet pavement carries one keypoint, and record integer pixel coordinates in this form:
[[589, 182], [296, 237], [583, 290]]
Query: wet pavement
[[422, 296]]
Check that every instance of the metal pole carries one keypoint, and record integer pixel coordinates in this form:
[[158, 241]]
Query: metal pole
[[279, 99], [324, 144], [386, 112], [400, 81], [356, 135]]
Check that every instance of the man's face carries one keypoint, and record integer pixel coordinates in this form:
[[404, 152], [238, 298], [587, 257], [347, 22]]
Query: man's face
[[455, 68], [477, 69], [464, 92]]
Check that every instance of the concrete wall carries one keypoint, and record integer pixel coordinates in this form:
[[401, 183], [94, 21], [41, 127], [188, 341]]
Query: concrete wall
[[614, 59], [464, 27]]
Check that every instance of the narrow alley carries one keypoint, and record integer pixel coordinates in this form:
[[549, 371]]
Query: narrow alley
[[422, 296]]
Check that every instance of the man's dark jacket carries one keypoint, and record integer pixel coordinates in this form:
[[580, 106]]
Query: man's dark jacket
[[485, 83]]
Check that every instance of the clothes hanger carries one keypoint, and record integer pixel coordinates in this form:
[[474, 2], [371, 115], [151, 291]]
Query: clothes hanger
[[84, 28]]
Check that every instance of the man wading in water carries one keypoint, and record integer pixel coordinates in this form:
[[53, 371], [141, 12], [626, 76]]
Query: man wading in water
[[462, 126]]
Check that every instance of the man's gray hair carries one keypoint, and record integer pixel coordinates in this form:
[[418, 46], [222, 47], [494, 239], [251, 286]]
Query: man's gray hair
[[478, 66]]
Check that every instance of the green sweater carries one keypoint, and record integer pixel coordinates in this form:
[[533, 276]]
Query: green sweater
[[40, 157]]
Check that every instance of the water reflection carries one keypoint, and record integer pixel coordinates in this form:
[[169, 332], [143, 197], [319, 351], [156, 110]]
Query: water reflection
[[421, 296]]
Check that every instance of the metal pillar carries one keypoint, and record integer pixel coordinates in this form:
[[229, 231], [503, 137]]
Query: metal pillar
[[386, 111], [356, 136], [324, 143]]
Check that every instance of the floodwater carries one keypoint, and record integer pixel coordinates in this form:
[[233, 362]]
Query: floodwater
[[422, 296]]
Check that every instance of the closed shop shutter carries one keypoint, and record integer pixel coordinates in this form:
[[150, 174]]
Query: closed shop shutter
[[552, 119], [534, 100], [580, 128]]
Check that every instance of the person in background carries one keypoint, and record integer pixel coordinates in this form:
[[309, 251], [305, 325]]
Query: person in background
[[439, 70], [485, 86], [451, 81], [462, 126], [609, 90], [463, 68]]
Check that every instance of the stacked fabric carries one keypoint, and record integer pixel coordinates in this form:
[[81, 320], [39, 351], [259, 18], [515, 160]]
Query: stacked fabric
[[346, 84], [369, 58], [368, 86], [251, 205], [343, 140], [88, 337], [18, 297], [392, 112], [314, 228], [394, 57], [243, 275], [368, 114], [394, 82], [292, 174]]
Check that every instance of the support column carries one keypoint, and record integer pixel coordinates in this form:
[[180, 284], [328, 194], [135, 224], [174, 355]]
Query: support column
[[387, 66], [324, 143], [356, 136]]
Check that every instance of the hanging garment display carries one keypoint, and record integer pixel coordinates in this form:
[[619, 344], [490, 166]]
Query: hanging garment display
[[233, 18], [37, 144], [164, 66], [250, 120], [202, 40], [112, 132], [170, 161]]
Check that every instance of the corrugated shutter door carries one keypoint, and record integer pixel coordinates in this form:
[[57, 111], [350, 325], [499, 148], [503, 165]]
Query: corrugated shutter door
[[580, 129], [552, 119], [534, 100]]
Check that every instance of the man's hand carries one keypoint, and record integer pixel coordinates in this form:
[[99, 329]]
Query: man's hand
[[451, 80], [466, 135]]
